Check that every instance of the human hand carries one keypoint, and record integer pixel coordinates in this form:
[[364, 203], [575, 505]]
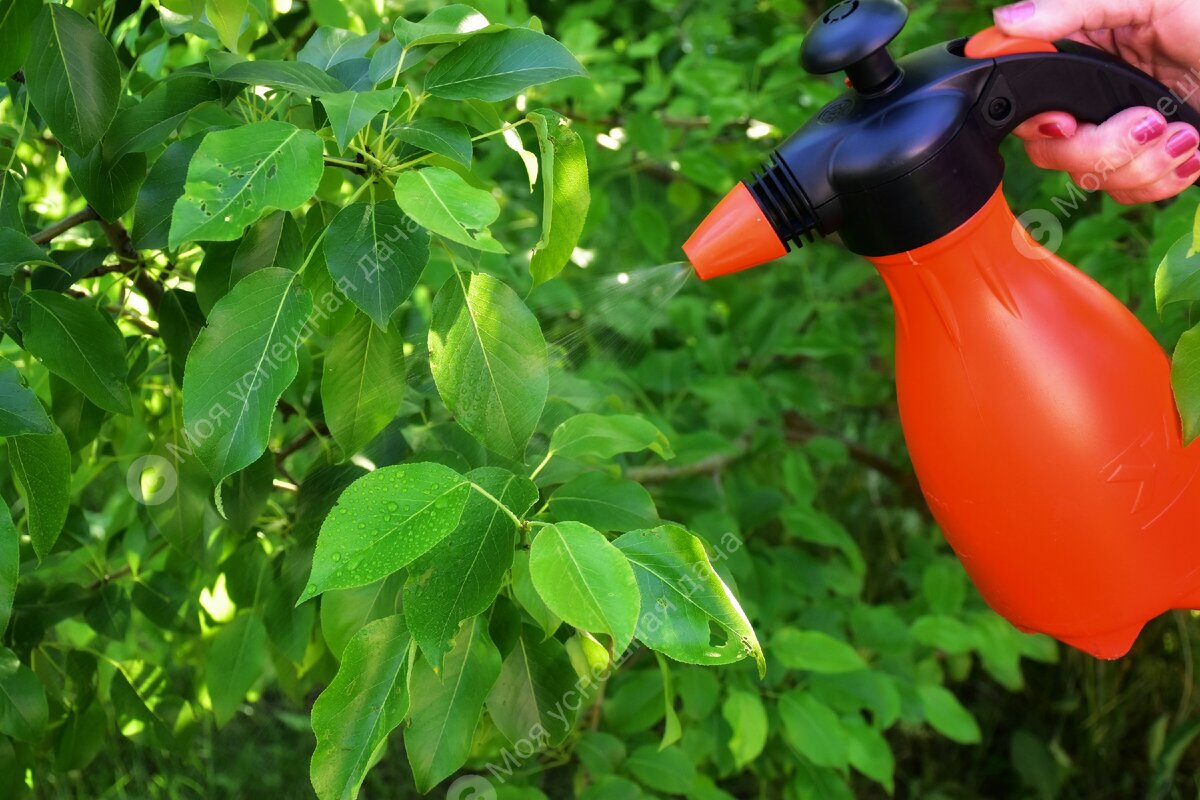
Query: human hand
[[1137, 157]]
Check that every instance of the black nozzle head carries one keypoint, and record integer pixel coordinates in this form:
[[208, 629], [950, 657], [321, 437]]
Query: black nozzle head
[[853, 36]]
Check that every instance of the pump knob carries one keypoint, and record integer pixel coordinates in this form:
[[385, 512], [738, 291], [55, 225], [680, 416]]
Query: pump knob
[[853, 36]]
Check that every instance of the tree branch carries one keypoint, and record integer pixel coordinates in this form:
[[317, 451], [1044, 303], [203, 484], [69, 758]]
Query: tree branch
[[127, 254], [657, 473], [65, 224]]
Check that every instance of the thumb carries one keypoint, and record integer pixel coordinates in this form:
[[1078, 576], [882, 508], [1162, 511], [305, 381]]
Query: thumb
[[1056, 19]]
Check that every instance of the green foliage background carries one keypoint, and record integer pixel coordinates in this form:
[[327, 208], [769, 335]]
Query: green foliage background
[[532, 412]]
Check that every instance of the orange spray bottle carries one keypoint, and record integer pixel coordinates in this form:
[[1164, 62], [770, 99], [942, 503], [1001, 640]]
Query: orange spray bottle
[[1037, 410]]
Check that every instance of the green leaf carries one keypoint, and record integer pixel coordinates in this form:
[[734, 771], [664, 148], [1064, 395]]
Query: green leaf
[[1178, 276], [376, 255], [747, 718], [349, 112], [109, 185], [236, 659], [236, 175], [293, 76], [604, 436], [462, 574], [363, 383], [17, 250], [146, 125], [346, 611], [813, 729], [79, 344], [446, 707], [383, 521], [946, 633], [329, 46], [585, 580], [683, 598], [446, 25], [16, 17], [868, 752], [666, 770], [489, 361], [20, 410], [366, 701], [604, 502], [500, 66], [72, 76], [1185, 381], [815, 651], [239, 366], [10, 564], [442, 136], [24, 712], [440, 200], [566, 195], [947, 715], [944, 585], [162, 188], [528, 596], [536, 697], [228, 18]]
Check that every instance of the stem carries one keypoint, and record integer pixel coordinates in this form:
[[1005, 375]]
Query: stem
[[541, 466], [65, 224], [516, 520]]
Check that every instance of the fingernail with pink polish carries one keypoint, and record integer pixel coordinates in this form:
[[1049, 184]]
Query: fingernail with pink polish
[[1017, 12], [1182, 142], [1054, 130], [1148, 129], [1189, 167]]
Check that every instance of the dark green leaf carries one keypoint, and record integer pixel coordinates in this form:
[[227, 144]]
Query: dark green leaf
[[16, 16], [10, 564], [20, 410], [329, 46], [109, 185], [72, 76], [349, 112], [146, 125], [294, 76], [157, 196], [604, 502], [376, 255], [442, 136], [17, 250], [363, 382], [535, 698], [235, 662], [24, 713]]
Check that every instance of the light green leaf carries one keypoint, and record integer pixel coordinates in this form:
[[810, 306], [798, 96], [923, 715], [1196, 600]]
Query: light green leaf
[[440, 200], [446, 707], [161, 189], [462, 574], [606, 435], [442, 136], [236, 175], [10, 564], [329, 46], [376, 255], [667, 770], [366, 701], [239, 366], [383, 521], [293, 76], [17, 250], [585, 580], [566, 195], [946, 633], [228, 17], [500, 66], [24, 712], [109, 185], [813, 729], [489, 361], [41, 471], [683, 598], [868, 752], [72, 76], [16, 17], [146, 125], [947, 715], [447, 25], [528, 596], [79, 344], [748, 720], [20, 410], [535, 697], [349, 112], [815, 651], [1185, 381], [1178, 276], [363, 383], [604, 502], [236, 659]]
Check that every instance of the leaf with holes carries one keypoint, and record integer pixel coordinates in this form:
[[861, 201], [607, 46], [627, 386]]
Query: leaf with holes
[[237, 175]]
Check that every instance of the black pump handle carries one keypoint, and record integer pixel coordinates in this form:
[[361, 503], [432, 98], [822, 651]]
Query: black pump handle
[[1081, 80]]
